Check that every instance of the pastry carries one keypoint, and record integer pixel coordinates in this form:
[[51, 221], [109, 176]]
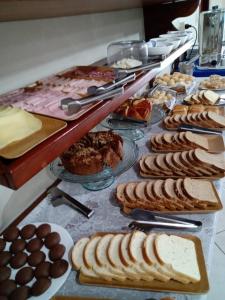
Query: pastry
[[93, 152]]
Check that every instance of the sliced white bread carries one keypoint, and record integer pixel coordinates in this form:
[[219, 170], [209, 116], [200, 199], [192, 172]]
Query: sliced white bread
[[211, 97], [201, 190], [136, 245], [102, 257], [91, 263], [216, 160], [113, 253], [179, 255], [77, 258], [197, 139]]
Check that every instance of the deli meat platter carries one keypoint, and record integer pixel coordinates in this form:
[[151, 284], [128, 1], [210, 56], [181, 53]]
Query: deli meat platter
[[44, 96]]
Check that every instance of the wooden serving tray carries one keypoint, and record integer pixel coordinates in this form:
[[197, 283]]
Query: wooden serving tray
[[215, 142], [200, 287]]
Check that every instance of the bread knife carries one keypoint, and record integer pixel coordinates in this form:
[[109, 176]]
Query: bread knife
[[198, 129]]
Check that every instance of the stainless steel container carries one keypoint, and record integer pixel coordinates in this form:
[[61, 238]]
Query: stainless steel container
[[211, 31]]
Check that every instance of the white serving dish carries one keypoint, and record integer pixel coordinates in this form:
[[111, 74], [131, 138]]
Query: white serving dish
[[159, 48], [190, 33], [182, 37], [173, 40]]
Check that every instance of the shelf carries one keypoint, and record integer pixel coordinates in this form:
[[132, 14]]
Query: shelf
[[14, 173], [12, 10]]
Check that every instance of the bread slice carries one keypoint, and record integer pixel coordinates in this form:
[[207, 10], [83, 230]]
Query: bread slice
[[113, 253], [102, 258], [197, 140], [170, 164], [201, 190], [211, 97], [120, 192], [139, 191], [170, 251], [136, 244], [129, 191], [160, 163], [215, 160], [217, 119], [77, 258], [151, 166], [176, 158], [183, 199], [91, 263]]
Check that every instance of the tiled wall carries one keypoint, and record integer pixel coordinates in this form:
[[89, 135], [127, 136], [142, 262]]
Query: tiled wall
[[33, 49]]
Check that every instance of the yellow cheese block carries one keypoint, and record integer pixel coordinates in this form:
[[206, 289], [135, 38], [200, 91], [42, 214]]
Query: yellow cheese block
[[16, 124]]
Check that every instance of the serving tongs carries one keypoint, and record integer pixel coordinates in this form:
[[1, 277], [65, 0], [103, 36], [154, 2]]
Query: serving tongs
[[146, 220], [72, 106], [121, 80], [59, 197], [198, 129]]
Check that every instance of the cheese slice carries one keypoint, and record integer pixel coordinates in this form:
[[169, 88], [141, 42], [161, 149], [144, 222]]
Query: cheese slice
[[16, 124]]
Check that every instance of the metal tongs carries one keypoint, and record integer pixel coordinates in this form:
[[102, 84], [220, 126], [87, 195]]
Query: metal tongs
[[146, 220], [198, 129], [59, 197], [72, 106]]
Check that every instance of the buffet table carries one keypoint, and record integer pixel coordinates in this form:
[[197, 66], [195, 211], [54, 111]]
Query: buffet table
[[107, 217]]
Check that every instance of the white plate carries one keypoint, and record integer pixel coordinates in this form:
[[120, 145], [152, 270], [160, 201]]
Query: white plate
[[56, 283]]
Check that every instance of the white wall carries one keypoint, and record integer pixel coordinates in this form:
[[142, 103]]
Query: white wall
[[30, 50], [220, 3]]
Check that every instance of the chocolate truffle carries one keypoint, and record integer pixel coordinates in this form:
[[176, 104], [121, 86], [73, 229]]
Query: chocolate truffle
[[35, 258], [17, 246], [52, 239], [2, 244], [7, 287], [5, 273], [42, 270], [58, 268], [57, 252], [20, 293], [24, 275], [40, 286], [34, 245], [11, 234], [18, 260], [28, 231], [4, 258], [43, 230]]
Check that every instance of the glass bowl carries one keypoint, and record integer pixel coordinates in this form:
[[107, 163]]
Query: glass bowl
[[127, 54]]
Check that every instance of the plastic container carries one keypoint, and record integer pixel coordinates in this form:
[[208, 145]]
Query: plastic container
[[127, 54]]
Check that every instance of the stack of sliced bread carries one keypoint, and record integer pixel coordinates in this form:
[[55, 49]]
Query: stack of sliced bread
[[203, 97], [204, 119], [137, 257], [170, 194], [193, 163], [180, 109], [178, 141]]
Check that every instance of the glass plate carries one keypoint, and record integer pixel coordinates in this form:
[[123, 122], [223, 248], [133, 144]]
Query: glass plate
[[130, 130], [102, 179]]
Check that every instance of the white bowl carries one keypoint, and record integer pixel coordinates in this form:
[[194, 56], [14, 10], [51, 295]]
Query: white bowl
[[182, 37], [159, 48], [173, 40], [188, 32]]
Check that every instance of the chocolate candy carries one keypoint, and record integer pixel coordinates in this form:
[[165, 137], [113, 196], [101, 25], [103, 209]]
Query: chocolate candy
[[36, 258], [11, 234], [4, 258], [28, 231], [24, 275], [2, 244], [18, 260], [17, 246], [40, 286], [42, 270], [5, 273], [20, 293], [7, 287], [58, 268], [57, 252], [43, 230], [34, 245], [52, 239]]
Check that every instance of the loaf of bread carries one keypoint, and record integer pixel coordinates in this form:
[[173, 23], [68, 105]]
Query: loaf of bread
[[194, 108], [93, 152], [137, 256], [194, 163], [204, 119], [180, 141], [168, 194], [203, 97]]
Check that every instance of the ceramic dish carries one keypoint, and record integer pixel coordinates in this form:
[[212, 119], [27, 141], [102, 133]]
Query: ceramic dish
[[16, 149], [67, 241], [159, 48]]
